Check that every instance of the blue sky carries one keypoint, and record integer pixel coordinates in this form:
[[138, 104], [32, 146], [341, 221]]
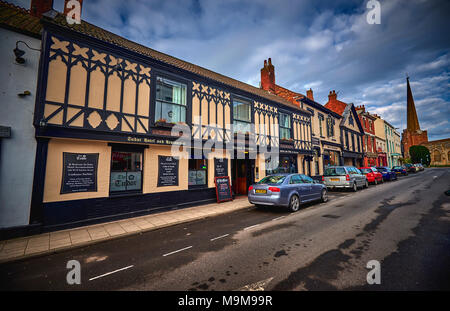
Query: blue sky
[[325, 45]]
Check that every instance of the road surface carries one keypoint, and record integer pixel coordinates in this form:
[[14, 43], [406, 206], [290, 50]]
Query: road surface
[[403, 224]]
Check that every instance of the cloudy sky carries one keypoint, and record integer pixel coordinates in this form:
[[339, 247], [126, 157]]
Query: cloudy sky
[[325, 45]]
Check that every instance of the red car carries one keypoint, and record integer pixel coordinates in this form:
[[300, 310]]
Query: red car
[[372, 175]]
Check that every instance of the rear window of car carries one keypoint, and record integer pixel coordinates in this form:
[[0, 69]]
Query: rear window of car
[[335, 171], [274, 179], [366, 170]]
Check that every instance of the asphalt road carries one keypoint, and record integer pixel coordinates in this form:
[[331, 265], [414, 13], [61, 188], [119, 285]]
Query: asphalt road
[[403, 224]]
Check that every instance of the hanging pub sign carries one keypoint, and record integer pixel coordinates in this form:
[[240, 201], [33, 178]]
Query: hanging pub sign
[[79, 172], [223, 189], [167, 171], [220, 167]]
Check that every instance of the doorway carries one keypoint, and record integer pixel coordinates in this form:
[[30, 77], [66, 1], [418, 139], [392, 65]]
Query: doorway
[[242, 175]]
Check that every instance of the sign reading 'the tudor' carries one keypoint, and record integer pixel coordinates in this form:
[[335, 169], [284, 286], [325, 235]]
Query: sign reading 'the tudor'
[[79, 172], [220, 167], [167, 171]]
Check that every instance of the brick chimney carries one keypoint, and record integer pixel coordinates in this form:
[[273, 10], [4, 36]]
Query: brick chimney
[[68, 9], [268, 76], [39, 7], [332, 97], [362, 107], [309, 94]]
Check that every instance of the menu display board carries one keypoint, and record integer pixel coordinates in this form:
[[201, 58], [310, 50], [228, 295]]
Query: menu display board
[[79, 172], [223, 189], [220, 167], [167, 171]]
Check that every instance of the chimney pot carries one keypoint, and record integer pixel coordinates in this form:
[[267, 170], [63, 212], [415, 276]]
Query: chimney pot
[[310, 94], [268, 77], [39, 7]]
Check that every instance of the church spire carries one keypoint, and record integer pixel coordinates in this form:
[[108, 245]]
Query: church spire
[[411, 114]]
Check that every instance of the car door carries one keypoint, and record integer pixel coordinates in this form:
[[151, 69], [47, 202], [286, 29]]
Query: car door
[[315, 189], [296, 186], [351, 173], [361, 177], [304, 189]]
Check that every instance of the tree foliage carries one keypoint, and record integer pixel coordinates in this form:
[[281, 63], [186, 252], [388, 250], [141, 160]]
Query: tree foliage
[[420, 154]]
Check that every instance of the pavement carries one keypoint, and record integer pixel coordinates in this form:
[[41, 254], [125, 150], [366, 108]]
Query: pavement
[[46, 243]]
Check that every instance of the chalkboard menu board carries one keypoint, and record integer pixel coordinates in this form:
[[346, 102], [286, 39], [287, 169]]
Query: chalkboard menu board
[[79, 172], [220, 167], [223, 189], [167, 171]]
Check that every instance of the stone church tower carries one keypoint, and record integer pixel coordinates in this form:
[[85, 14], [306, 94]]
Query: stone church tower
[[412, 135]]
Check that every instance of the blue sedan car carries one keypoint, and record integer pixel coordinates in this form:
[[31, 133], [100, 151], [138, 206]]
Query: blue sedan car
[[286, 190], [400, 170], [387, 173]]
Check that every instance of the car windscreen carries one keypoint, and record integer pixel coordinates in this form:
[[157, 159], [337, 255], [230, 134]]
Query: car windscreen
[[366, 171], [335, 171], [273, 179]]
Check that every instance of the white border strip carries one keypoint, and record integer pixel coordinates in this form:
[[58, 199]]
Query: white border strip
[[177, 251], [100, 276], [219, 237]]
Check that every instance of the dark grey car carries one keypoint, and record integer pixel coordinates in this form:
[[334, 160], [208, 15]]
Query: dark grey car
[[344, 177], [287, 190]]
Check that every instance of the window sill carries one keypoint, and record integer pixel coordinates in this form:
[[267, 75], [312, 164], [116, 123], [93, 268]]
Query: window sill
[[163, 124]]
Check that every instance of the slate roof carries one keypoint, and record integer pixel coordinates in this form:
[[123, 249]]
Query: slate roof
[[19, 19]]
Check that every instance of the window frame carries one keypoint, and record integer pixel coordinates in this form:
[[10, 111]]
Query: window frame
[[283, 127], [127, 149], [176, 78], [246, 102], [164, 102], [203, 186]]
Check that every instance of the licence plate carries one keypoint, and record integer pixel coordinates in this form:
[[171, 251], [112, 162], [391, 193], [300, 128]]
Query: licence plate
[[260, 191], [334, 179]]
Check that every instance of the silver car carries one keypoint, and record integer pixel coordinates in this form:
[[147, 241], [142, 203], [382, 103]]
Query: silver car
[[348, 177], [286, 190]]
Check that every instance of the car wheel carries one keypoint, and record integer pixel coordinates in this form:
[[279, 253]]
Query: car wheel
[[294, 203], [355, 187], [324, 196]]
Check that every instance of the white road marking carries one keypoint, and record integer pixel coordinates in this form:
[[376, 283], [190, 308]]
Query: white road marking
[[278, 218], [251, 227], [219, 237], [177, 251], [258, 286], [100, 276]]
